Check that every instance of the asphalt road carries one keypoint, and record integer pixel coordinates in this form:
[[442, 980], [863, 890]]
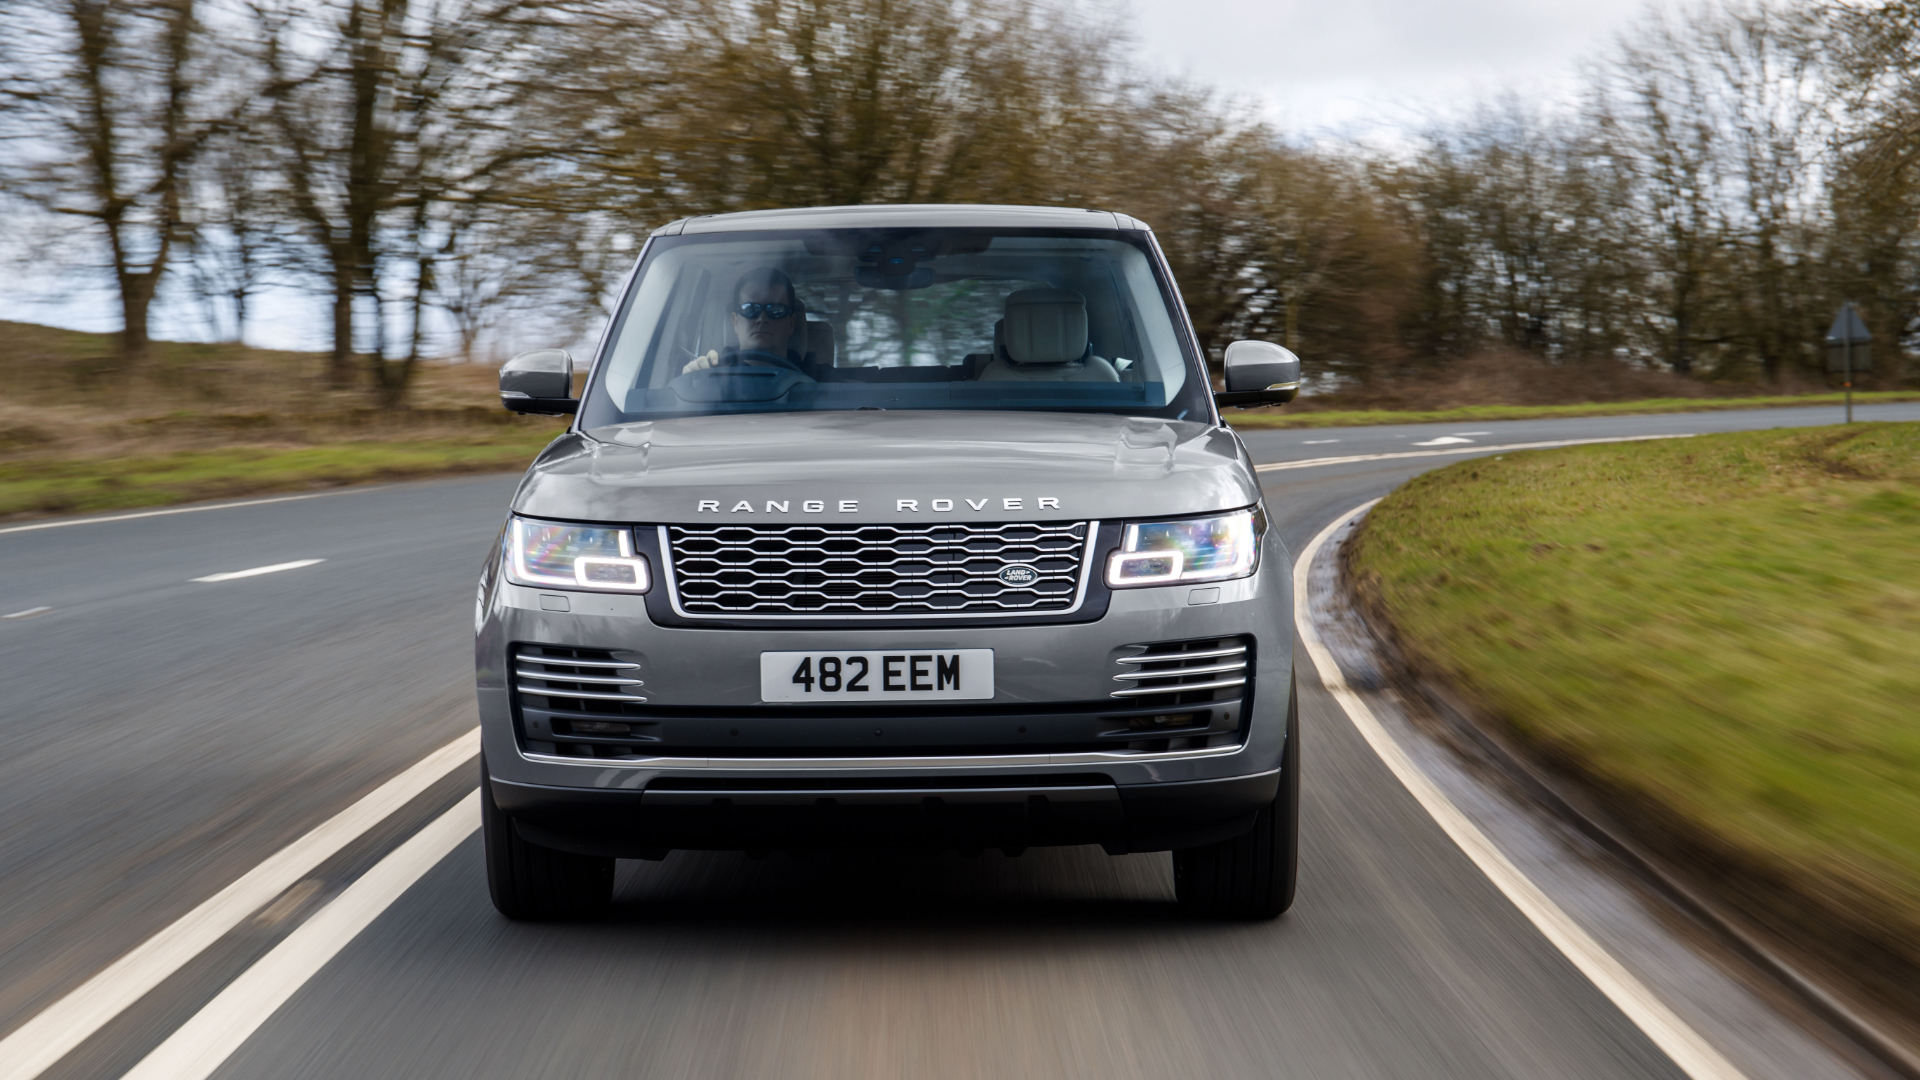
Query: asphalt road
[[165, 735]]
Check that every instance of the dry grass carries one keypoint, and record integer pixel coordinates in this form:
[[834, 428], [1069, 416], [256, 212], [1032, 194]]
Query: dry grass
[[80, 433], [69, 397]]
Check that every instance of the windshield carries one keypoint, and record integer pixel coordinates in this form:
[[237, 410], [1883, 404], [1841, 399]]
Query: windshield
[[896, 319]]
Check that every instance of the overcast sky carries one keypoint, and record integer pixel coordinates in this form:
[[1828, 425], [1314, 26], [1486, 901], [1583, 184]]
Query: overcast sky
[[1363, 68]]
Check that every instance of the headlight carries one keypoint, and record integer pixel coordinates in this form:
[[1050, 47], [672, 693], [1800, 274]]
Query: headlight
[[574, 557], [1193, 549]]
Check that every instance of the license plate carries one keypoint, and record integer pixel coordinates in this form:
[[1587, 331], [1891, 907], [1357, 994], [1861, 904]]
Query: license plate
[[855, 677]]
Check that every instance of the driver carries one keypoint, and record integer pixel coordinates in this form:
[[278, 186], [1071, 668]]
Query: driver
[[765, 314]]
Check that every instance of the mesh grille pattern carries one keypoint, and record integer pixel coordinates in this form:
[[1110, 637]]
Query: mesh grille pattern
[[946, 569]]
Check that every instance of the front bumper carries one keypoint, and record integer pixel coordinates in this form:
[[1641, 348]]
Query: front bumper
[[1017, 771], [949, 812]]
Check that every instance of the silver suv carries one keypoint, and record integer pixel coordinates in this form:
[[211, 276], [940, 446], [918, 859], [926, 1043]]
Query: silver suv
[[904, 526]]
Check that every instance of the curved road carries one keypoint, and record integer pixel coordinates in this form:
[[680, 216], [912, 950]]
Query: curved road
[[166, 735]]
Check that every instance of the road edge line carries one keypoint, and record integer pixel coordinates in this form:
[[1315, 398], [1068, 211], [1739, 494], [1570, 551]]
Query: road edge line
[[55, 1031], [1673, 1036], [37, 526], [202, 1044], [1313, 463]]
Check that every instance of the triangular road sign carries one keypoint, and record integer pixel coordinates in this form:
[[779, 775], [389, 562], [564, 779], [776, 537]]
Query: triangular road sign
[[1847, 327]]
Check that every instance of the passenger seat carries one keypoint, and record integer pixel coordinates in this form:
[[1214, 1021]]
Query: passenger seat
[[1043, 338], [818, 355]]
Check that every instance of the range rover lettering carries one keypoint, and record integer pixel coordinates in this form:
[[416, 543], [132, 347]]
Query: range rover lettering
[[892, 526]]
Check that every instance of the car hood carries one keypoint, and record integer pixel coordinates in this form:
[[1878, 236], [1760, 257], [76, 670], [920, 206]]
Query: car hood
[[891, 466]]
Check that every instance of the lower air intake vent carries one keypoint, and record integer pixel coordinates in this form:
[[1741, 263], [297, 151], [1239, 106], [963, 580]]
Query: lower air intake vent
[[578, 702], [1185, 672]]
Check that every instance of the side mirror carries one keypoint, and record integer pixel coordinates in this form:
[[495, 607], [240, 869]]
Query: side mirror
[[539, 382], [1259, 373]]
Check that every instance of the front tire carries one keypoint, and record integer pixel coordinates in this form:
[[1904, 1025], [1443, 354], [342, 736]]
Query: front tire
[[1251, 876], [533, 883]]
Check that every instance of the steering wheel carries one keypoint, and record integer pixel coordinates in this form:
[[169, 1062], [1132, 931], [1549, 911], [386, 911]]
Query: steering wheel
[[742, 357]]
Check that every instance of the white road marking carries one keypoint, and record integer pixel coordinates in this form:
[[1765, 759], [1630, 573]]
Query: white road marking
[[1318, 442], [49, 1036], [176, 510], [258, 570], [1444, 440], [1309, 463], [27, 614], [1694, 1055], [199, 1046]]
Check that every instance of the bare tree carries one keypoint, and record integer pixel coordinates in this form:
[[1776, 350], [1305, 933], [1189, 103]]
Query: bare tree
[[445, 170], [1655, 105], [1875, 188], [1525, 245], [234, 237], [387, 111], [1775, 113], [1266, 240], [109, 102], [711, 105], [1877, 49]]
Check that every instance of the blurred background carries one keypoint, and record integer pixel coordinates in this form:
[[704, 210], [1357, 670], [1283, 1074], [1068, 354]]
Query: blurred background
[[257, 245], [1489, 195]]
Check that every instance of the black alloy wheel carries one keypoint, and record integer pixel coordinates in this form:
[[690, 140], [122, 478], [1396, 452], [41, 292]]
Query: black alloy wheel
[[1251, 876]]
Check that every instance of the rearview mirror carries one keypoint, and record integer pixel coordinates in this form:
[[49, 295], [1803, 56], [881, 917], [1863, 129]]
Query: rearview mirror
[[539, 382], [1259, 373]]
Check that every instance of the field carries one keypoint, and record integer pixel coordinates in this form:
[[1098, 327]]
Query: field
[[1719, 635], [77, 434]]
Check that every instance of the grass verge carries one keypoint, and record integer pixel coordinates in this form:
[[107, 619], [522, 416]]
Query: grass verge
[[1720, 635], [1286, 418], [85, 485]]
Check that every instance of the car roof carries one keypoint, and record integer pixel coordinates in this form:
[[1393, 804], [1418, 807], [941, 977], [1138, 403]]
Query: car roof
[[933, 215]]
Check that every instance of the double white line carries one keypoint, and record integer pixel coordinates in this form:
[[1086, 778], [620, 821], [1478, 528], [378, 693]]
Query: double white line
[[64, 1025]]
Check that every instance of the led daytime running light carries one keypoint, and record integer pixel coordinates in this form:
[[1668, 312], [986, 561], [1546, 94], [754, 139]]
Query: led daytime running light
[[1137, 567]]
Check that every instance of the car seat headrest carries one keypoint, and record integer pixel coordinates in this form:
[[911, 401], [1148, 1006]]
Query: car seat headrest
[[819, 342], [1045, 326]]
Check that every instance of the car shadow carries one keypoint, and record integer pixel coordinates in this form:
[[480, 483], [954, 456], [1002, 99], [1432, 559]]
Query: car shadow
[[1043, 889]]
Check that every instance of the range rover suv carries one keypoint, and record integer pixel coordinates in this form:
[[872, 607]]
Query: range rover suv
[[902, 526]]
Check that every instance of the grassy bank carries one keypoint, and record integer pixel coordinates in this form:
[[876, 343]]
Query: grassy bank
[[89, 485], [1295, 416], [1721, 635], [204, 421]]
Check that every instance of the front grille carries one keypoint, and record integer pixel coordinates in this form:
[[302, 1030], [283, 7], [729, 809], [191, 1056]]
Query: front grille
[[867, 570], [1184, 672]]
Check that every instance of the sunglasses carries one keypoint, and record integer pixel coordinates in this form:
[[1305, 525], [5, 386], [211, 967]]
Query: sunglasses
[[753, 311]]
